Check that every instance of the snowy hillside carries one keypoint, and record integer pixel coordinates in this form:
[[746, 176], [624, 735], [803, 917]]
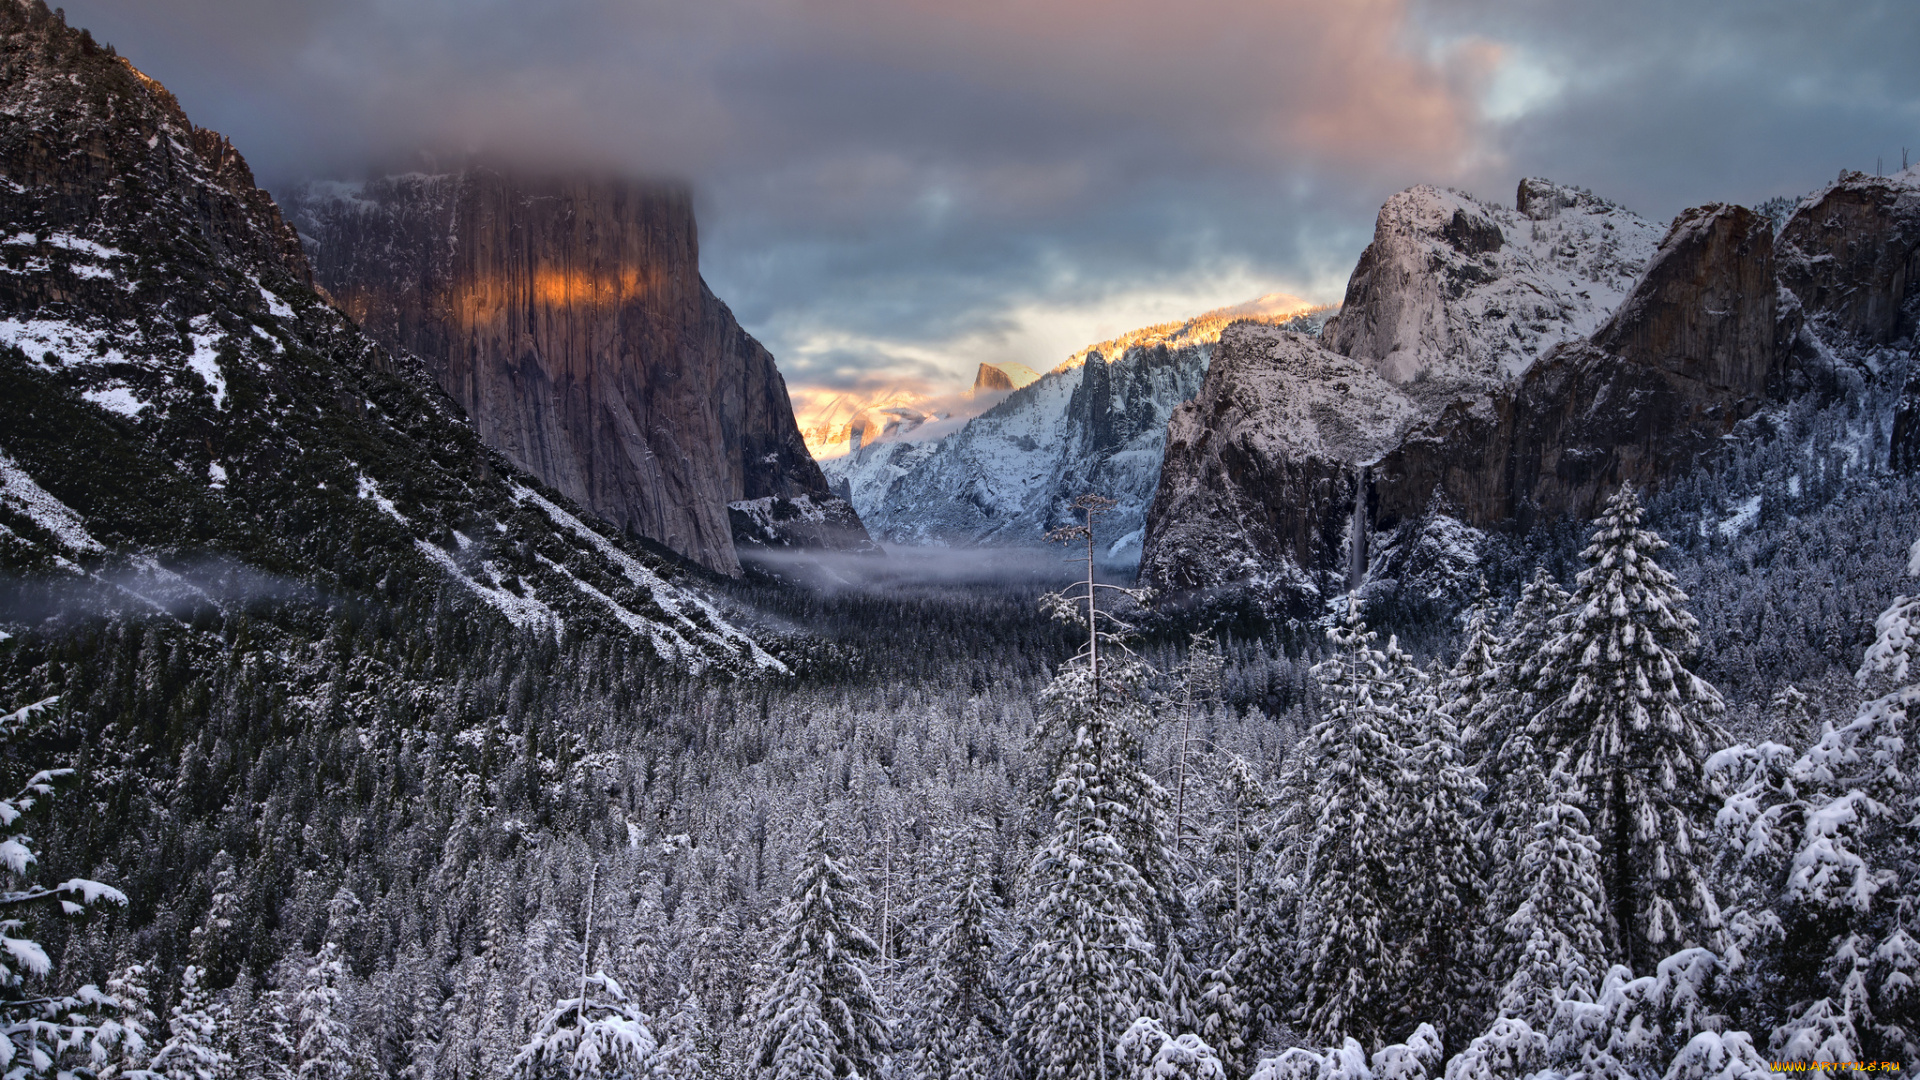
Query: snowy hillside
[[1007, 476], [160, 316]]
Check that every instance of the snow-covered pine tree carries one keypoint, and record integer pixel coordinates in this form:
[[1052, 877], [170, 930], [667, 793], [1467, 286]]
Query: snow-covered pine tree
[[1477, 677], [596, 1034], [1442, 906], [1493, 715], [1833, 835], [325, 1048], [193, 1047], [1618, 704], [1556, 941], [1344, 786], [130, 986], [1199, 676], [1224, 1015], [819, 1019], [964, 1032], [1096, 892], [1090, 969], [1148, 1053], [44, 1032]]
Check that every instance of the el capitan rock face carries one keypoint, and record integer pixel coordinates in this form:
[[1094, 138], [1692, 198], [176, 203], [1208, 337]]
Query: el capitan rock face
[[568, 317]]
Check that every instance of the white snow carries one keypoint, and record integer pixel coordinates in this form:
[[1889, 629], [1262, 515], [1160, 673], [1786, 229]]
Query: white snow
[[205, 358], [668, 641], [216, 475], [116, 399], [71, 344], [84, 247], [280, 308], [370, 490], [1745, 514], [22, 495], [522, 611]]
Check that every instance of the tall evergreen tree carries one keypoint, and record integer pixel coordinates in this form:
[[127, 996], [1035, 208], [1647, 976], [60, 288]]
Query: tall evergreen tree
[[965, 1029], [326, 1048], [1097, 888], [820, 1018], [1344, 789], [1618, 703], [1493, 700], [1442, 905], [193, 1047], [1556, 941]]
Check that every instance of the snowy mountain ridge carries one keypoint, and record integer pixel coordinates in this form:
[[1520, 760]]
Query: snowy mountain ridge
[[1009, 475]]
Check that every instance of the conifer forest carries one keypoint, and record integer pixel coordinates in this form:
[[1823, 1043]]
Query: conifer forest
[[1645, 809]]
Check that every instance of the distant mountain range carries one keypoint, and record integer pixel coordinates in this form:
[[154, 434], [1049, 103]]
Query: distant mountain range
[[1491, 369], [1095, 423]]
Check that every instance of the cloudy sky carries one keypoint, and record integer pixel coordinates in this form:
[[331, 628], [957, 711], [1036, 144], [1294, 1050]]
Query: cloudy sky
[[896, 190]]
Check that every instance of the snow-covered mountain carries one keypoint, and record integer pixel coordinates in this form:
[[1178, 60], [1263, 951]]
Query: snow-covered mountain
[[1094, 424], [1458, 292], [1010, 474]]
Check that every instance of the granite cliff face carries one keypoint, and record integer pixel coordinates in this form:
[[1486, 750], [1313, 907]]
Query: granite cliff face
[[568, 317], [1458, 435], [1463, 295]]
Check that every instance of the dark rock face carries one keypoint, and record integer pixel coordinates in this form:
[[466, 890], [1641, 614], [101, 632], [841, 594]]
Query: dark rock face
[[1853, 257], [1245, 497], [568, 317]]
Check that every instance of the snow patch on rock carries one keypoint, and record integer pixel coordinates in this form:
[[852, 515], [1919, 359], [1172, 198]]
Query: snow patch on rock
[[21, 495]]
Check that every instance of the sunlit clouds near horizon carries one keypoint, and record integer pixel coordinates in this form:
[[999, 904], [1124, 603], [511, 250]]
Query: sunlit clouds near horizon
[[895, 191]]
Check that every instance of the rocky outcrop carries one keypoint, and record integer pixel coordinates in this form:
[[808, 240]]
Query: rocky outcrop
[[568, 317], [1261, 473], [989, 379], [1252, 493], [1460, 295], [803, 522], [1851, 257]]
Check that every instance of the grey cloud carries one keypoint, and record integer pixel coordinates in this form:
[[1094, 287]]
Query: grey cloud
[[907, 172]]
